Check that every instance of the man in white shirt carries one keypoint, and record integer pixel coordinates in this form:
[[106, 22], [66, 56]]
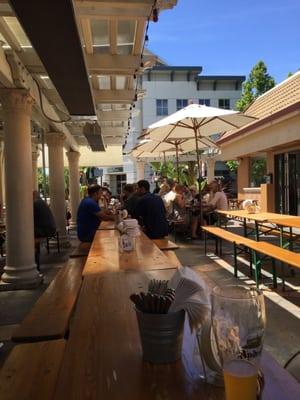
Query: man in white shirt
[[217, 202]]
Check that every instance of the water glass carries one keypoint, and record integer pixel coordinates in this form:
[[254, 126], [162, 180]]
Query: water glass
[[239, 320]]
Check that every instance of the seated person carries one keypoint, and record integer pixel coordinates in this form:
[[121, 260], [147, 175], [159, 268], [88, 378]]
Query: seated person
[[150, 212], [218, 201], [44, 223], [89, 215], [130, 198]]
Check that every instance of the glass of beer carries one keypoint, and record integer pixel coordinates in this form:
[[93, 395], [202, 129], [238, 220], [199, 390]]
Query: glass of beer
[[238, 320]]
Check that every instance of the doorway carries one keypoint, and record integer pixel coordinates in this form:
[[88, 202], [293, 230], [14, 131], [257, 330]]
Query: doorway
[[287, 183]]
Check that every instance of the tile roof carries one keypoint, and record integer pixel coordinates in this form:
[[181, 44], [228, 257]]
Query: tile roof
[[281, 97]]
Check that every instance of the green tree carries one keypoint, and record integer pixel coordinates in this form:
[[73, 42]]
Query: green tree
[[232, 165], [258, 82]]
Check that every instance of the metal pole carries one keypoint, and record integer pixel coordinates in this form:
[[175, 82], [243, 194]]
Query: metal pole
[[199, 179], [177, 161], [44, 167]]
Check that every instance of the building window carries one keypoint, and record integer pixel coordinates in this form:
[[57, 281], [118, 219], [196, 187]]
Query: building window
[[224, 103], [161, 107], [204, 102], [181, 103]]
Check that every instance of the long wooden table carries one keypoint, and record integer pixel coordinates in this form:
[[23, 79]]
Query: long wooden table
[[103, 357], [259, 218], [107, 225], [290, 223], [104, 255]]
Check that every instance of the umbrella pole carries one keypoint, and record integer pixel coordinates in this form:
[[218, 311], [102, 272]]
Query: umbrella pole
[[165, 162], [177, 161], [199, 181]]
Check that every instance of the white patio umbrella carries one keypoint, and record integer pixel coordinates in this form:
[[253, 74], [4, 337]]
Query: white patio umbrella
[[198, 122], [152, 148]]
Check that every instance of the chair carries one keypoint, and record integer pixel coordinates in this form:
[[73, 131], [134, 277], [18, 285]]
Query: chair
[[293, 366]]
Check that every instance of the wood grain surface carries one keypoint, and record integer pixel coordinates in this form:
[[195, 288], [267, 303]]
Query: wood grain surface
[[103, 358], [49, 318], [105, 255], [31, 371]]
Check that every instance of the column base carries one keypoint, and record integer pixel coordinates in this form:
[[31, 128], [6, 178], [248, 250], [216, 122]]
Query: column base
[[16, 278], [73, 225]]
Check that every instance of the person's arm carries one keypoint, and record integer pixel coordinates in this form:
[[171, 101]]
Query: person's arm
[[212, 204], [105, 215]]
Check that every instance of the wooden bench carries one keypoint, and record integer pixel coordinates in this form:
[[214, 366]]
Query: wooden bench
[[81, 250], [31, 371], [267, 249], [285, 256], [49, 318], [239, 243], [165, 244]]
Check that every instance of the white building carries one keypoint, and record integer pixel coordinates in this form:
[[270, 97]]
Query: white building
[[169, 88]]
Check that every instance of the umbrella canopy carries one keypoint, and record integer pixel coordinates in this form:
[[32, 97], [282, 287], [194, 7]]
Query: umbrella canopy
[[197, 121], [206, 120], [152, 148]]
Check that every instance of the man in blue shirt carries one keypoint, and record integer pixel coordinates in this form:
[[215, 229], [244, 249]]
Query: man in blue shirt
[[151, 212], [89, 215]]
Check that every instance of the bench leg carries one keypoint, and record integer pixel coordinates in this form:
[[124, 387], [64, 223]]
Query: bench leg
[[47, 245], [205, 242], [255, 263], [282, 276], [217, 247], [58, 244], [37, 254], [235, 260], [220, 249], [274, 273]]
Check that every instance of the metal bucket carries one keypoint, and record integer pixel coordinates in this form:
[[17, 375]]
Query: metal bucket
[[161, 336]]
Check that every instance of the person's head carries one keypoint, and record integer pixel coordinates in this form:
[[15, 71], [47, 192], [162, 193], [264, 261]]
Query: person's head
[[95, 191], [171, 183], [179, 189], [164, 189], [214, 186], [128, 189], [143, 187], [106, 193], [35, 195], [193, 190]]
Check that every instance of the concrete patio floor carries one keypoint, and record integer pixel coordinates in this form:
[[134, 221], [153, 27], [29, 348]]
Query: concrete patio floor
[[283, 313]]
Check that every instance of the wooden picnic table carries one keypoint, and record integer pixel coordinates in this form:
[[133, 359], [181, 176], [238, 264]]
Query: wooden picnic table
[[103, 357], [107, 225], [259, 219], [290, 222], [104, 255]]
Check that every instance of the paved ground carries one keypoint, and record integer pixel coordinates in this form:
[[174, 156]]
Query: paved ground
[[283, 313]]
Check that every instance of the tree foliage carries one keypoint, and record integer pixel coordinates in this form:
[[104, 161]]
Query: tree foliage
[[232, 165], [258, 82]]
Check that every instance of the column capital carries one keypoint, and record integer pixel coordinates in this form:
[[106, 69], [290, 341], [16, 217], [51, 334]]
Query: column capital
[[73, 155], [13, 100], [55, 139]]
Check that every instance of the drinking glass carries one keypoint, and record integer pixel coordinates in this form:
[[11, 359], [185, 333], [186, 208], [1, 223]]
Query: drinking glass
[[238, 320]]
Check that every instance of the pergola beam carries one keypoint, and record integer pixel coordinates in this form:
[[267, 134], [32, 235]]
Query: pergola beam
[[9, 35], [87, 35], [97, 63], [121, 115], [114, 96]]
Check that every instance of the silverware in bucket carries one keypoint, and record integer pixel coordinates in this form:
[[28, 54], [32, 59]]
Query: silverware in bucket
[[161, 335]]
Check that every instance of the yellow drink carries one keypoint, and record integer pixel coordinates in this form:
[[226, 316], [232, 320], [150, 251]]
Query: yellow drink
[[240, 378]]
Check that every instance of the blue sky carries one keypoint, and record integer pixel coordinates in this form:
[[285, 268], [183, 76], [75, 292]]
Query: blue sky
[[230, 36]]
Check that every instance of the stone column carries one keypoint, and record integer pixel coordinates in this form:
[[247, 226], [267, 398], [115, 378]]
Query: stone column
[[140, 170], [55, 143], [35, 156], [20, 269], [210, 165], [73, 158]]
